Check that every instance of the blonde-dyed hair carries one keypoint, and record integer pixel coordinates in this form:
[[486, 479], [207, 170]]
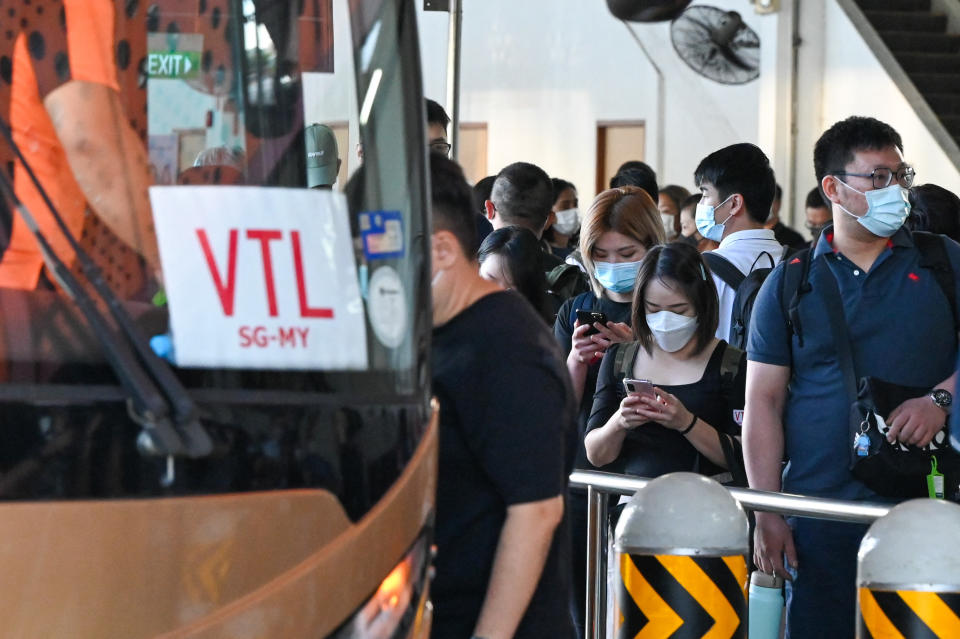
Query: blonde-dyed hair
[[628, 210]]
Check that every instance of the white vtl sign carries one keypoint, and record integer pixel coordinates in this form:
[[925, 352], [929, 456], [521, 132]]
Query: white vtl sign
[[260, 277]]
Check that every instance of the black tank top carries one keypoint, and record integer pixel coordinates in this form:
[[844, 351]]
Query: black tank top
[[651, 450]]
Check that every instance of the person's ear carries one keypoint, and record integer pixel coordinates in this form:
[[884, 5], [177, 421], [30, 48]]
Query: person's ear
[[830, 188], [736, 204], [491, 209], [444, 249], [551, 220]]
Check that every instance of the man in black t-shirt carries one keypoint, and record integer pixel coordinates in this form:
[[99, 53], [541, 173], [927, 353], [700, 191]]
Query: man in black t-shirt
[[506, 425]]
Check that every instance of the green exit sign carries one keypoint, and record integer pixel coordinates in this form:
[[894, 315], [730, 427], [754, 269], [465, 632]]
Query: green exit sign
[[173, 64]]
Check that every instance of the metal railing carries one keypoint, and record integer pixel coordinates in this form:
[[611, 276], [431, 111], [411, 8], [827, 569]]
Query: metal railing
[[600, 486]]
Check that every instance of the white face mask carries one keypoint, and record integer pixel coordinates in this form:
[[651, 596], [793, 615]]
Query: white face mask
[[667, 223], [671, 330], [568, 221]]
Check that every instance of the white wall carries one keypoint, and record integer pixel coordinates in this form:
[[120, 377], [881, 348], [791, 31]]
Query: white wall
[[854, 84], [542, 73], [840, 76]]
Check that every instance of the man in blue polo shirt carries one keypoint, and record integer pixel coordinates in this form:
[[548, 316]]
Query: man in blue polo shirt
[[901, 330]]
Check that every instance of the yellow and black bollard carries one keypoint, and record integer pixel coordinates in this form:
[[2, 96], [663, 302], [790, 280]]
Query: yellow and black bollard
[[681, 547], [908, 573]]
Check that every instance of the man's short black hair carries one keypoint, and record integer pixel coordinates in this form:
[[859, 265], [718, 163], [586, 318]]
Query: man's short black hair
[[934, 209], [452, 201], [815, 200], [481, 193], [523, 196], [740, 168], [629, 165], [436, 114], [836, 147], [637, 173]]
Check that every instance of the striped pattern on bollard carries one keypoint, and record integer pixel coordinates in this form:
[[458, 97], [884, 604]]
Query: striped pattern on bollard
[[908, 614], [681, 597]]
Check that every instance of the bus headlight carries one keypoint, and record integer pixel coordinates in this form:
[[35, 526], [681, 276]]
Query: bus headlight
[[393, 609]]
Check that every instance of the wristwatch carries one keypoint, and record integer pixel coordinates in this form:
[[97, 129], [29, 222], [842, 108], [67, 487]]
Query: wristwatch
[[942, 398]]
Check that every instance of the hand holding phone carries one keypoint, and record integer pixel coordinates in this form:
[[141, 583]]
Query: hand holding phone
[[638, 387], [589, 318]]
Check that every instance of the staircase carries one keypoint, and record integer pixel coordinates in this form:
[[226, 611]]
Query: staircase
[[917, 37]]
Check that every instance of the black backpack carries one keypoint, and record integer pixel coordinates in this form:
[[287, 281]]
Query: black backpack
[[736, 474], [565, 281], [933, 256], [746, 287]]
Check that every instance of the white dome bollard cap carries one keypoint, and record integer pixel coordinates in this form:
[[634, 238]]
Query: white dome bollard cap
[[909, 548], [683, 514]]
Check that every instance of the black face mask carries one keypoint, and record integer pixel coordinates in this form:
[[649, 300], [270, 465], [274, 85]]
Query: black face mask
[[816, 231]]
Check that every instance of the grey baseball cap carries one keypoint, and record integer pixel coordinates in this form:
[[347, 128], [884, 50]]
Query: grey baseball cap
[[322, 155]]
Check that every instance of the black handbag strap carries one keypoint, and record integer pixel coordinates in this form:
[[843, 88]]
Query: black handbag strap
[[838, 326]]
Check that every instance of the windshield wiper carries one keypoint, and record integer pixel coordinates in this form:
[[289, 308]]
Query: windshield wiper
[[157, 400]]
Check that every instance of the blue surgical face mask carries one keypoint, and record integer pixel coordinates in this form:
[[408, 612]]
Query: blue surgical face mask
[[887, 209], [618, 277], [706, 220]]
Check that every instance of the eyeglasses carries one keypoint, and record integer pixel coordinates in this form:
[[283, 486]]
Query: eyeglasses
[[441, 147], [883, 177]]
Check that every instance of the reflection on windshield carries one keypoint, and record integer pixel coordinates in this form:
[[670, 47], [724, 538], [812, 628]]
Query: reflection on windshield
[[213, 93], [179, 92], [195, 116]]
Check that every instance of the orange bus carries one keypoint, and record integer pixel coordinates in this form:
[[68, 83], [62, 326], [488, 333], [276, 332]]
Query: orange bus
[[216, 414]]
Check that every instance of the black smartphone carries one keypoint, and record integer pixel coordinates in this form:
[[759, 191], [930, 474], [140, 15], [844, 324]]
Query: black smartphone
[[590, 318]]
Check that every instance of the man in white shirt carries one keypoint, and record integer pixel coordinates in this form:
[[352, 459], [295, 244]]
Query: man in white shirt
[[737, 186]]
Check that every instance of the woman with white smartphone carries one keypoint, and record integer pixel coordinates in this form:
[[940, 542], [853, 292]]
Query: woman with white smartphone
[[620, 226], [673, 399]]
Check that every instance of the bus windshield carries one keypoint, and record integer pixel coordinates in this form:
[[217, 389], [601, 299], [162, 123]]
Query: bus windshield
[[248, 179]]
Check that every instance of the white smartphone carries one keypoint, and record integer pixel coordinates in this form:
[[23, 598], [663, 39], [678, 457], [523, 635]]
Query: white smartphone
[[638, 386]]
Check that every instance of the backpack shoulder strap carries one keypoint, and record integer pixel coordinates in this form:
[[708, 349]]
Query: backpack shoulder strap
[[724, 269], [732, 448], [730, 364], [733, 455], [794, 285], [773, 263], [933, 256], [626, 355], [584, 302]]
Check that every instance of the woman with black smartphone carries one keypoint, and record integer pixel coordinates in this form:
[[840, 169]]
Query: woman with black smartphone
[[673, 399], [621, 225]]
